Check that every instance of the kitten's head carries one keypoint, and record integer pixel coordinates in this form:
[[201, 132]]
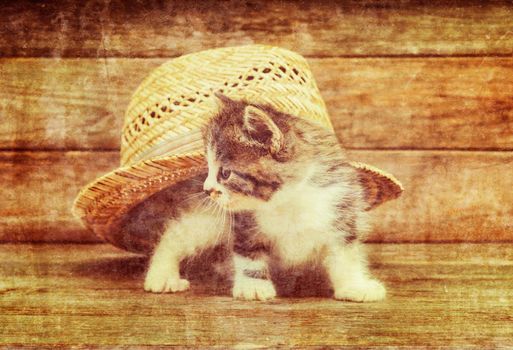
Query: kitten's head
[[246, 150]]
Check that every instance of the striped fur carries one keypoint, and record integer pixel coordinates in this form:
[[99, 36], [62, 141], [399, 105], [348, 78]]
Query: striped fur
[[294, 195]]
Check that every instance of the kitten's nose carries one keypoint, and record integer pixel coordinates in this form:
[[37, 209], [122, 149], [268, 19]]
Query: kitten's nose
[[212, 193]]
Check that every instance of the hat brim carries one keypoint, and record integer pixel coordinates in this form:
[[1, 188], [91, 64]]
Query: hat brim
[[379, 186], [103, 203]]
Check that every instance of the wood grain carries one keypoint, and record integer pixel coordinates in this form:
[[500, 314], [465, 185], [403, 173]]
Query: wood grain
[[38, 189], [454, 295], [383, 103], [452, 103], [65, 104], [101, 28], [449, 195]]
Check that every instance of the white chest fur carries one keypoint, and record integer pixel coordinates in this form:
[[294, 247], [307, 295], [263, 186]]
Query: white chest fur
[[298, 220]]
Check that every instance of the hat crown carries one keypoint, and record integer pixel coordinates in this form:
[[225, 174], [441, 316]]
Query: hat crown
[[169, 108]]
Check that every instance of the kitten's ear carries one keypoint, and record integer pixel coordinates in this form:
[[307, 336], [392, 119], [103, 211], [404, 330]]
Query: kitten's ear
[[261, 128], [223, 100]]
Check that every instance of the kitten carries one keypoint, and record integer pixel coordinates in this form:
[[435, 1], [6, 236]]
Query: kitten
[[294, 200]]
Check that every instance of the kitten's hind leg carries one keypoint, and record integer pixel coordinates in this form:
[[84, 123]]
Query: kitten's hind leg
[[182, 238], [347, 268], [252, 280]]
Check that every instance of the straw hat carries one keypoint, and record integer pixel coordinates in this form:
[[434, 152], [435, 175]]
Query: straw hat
[[161, 141]]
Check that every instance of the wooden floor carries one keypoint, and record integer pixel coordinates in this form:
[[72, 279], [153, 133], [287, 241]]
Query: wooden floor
[[439, 294]]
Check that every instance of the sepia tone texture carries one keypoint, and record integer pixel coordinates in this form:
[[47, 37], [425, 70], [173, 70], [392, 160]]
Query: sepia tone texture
[[91, 295], [374, 103], [449, 195], [407, 84], [322, 28], [421, 89]]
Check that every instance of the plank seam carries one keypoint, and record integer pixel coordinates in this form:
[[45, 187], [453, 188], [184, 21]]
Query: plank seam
[[381, 149], [367, 56]]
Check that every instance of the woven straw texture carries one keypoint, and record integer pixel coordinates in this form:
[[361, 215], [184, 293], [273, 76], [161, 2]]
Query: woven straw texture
[[176, 99], [161, 141]]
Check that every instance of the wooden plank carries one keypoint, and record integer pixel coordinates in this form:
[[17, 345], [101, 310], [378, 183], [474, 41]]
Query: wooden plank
[[327, 28], [66, 104], [449, 196], [384, 103], [420, 103], [454, 295], [38, 189]]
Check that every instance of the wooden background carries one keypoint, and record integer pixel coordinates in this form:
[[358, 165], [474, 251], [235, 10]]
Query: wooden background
[[424, 91]]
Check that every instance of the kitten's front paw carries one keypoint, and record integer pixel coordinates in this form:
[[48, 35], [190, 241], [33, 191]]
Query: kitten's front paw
[[367, 290], [164, 284], [253, 289]]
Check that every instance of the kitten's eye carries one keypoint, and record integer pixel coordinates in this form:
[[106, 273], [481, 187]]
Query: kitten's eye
[[225, 173]]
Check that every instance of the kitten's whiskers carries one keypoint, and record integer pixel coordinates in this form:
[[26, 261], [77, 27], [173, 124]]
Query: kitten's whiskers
[[220, 223], [192, 197]]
